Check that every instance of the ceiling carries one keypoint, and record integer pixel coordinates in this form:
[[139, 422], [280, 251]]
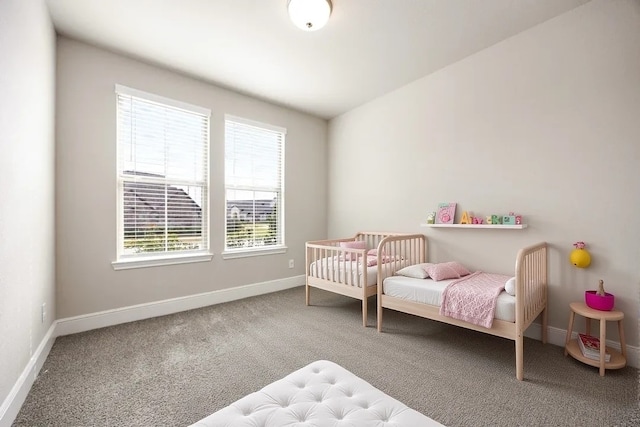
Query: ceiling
[[368, 48]]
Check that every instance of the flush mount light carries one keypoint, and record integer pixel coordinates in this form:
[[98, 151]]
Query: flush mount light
[[309, 15]]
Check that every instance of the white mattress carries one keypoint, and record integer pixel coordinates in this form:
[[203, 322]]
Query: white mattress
[[320, 394], [342, 270], [427, 291]]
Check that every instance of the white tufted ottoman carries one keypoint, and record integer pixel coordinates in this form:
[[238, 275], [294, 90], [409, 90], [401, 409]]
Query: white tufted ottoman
[[320, 394]]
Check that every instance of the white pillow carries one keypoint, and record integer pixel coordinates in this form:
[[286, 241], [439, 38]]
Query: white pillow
[[510, 286], [417, 271]]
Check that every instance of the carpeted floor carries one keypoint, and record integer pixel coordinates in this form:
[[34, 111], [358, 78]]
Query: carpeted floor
[[177, 369]]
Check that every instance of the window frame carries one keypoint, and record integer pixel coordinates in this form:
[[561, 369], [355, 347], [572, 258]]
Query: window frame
[[231, 253], [151, 259]]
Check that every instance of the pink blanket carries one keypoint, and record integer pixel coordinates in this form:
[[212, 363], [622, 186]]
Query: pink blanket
[[372, 260], [473, 298]]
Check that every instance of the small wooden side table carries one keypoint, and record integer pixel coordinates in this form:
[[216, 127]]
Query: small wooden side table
[[618, 359]]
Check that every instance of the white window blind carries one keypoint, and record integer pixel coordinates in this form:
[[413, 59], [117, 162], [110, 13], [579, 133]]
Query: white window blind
[[254, 164], [163, 176]]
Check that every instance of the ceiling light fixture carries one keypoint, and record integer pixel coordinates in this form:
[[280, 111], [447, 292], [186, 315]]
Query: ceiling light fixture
[[309, 15]]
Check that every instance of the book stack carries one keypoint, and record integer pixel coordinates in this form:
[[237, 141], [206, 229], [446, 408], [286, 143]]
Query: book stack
[[590, 347]]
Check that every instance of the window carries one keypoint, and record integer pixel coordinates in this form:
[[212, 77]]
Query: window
[[163, 179], [254, 157]]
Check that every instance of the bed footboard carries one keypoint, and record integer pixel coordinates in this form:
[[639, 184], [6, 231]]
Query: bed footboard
[[531, 285], [531, 296]]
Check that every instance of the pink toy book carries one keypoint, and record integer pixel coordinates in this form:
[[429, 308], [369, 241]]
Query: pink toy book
[[446, 213]]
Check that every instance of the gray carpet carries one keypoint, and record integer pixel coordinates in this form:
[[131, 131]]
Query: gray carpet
[[177, 369]]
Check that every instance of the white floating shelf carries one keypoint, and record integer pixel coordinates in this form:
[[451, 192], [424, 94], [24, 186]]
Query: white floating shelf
[[503, 227]]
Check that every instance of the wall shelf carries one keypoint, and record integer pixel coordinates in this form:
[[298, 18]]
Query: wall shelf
[[499, 226]]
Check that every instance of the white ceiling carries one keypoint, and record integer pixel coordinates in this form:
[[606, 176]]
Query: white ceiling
[[368, 48]]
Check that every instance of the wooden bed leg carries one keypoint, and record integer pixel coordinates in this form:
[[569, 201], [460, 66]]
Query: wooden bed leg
[[519, 357], [544, 326], [364, 311], [307, 297], [379, 315]]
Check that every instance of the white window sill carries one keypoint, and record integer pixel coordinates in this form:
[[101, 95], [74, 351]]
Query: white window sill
[[243, 253], [142, 262]]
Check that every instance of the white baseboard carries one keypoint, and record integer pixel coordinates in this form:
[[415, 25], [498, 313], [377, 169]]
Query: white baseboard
[[87, 322], [11, 405]]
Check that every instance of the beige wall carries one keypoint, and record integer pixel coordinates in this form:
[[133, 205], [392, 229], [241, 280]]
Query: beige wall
[[86, 185], [27, 65], [546, 124]]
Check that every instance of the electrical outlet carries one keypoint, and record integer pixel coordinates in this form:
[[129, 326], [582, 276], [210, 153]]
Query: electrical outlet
[[290, 263], [44, 311]]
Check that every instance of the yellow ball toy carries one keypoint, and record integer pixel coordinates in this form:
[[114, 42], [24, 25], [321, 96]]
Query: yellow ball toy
[[580, 257]]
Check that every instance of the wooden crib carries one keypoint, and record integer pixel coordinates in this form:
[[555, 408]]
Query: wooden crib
[[353, 272]]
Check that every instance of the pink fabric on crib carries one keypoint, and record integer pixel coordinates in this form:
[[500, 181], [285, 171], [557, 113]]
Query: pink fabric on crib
[[373, 260], [473, 298], [357, 244]]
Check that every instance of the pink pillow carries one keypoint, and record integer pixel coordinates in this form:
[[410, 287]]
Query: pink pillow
[[357, 244], [459, 268], [442, 271]]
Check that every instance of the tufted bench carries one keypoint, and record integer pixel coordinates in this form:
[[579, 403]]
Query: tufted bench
[[319, 394]]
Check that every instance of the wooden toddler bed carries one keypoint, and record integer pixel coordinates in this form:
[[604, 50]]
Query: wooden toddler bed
[[349, 266], [512, 317]]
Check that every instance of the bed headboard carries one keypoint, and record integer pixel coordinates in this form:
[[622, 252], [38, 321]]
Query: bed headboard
[[400, 250], [373, 238]]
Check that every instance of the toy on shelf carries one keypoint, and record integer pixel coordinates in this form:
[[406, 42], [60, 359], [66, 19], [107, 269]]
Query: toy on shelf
[[509, 219], [512, 219], [580, 257], [431, 218], [446, 213], [477, 220], [466, 217]]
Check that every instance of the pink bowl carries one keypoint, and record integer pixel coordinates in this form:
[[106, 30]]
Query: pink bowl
[[597, 302]]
